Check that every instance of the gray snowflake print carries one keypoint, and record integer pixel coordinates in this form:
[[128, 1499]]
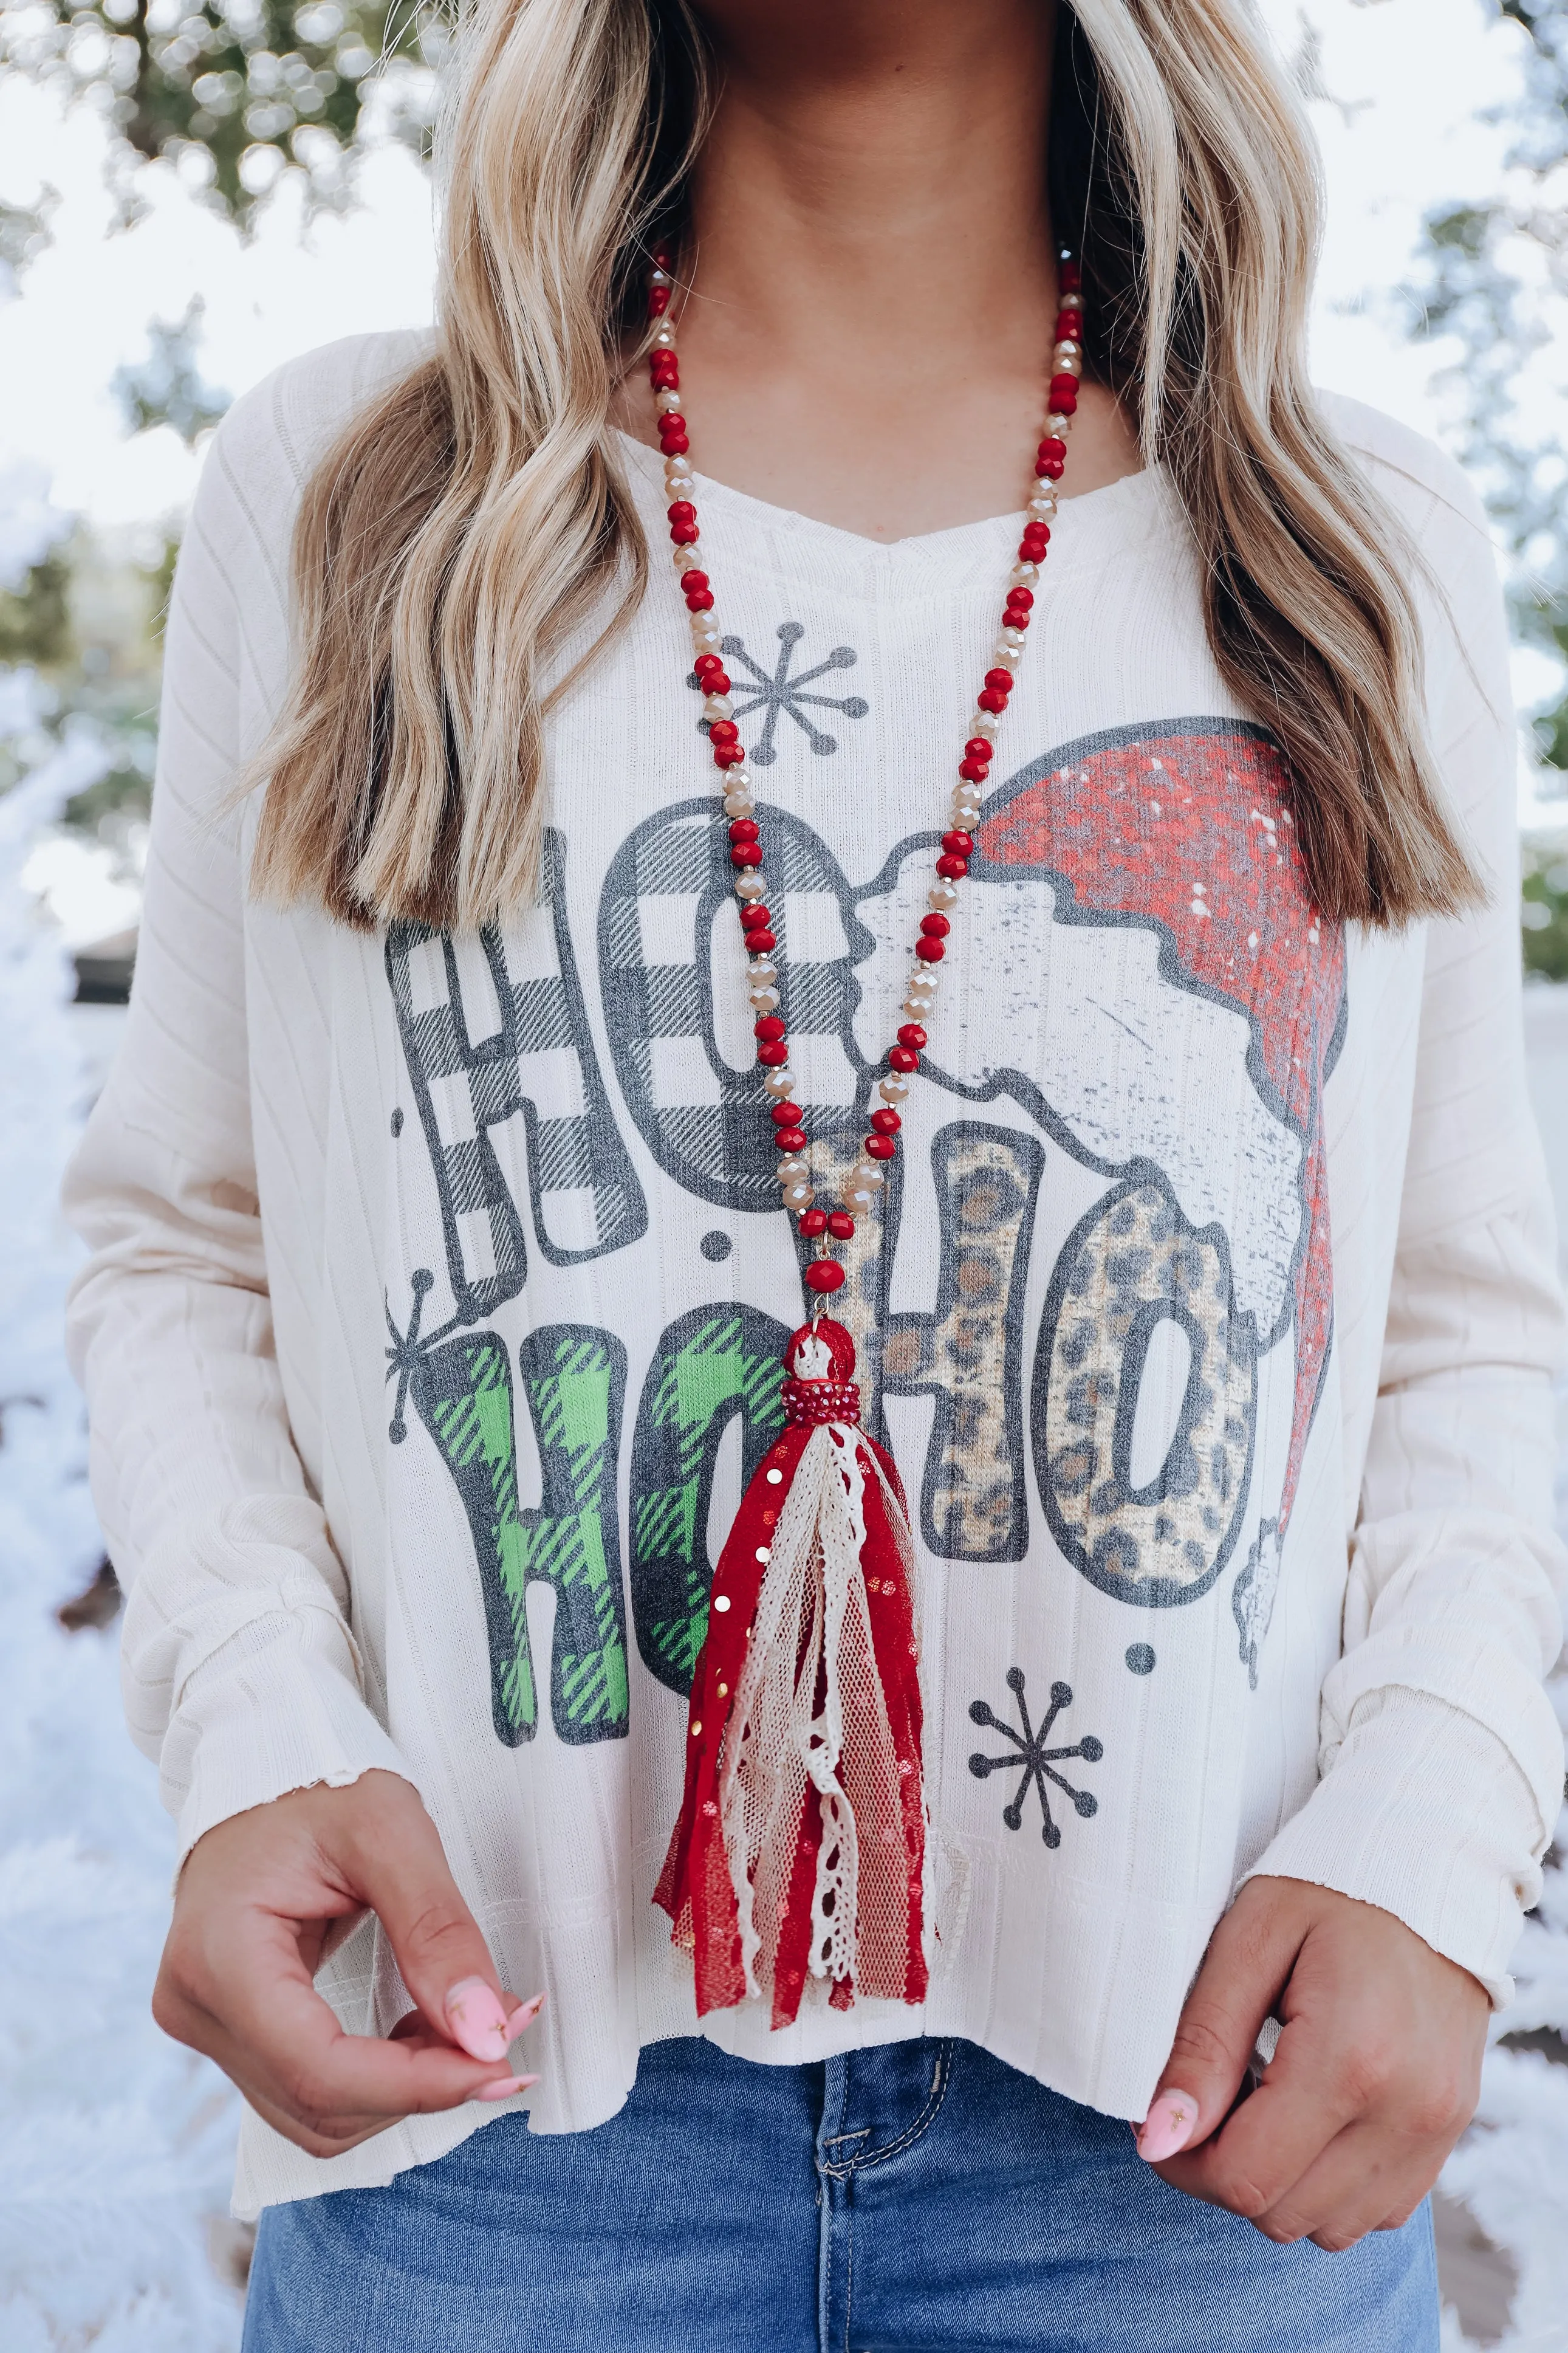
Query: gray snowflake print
[[1032, 1761], [783, 688]]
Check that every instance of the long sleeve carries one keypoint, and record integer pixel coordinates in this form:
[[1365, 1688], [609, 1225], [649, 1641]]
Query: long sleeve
[[1440, 1755], [241, 1675]]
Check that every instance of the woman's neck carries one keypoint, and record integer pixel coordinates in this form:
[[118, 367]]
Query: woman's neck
[[873, 278]]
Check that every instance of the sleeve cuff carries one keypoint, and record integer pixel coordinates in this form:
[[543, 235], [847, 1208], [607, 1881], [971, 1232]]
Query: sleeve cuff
[[1424, 1814], [277, 1707]]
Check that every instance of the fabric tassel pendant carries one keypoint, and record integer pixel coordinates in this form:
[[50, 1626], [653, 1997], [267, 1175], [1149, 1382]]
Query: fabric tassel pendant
[[801, 1848]]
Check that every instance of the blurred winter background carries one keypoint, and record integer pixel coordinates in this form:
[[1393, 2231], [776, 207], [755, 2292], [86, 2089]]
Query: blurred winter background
[[190, 194]]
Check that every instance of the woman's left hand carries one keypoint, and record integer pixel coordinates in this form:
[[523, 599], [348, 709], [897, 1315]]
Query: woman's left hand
[[1375, 2076]]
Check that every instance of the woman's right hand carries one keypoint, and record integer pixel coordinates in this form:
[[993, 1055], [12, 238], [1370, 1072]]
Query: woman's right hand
[[261, 1901]]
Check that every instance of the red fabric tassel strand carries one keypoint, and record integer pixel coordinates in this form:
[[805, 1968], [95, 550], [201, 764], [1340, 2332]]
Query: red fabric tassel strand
[[801, 1848]]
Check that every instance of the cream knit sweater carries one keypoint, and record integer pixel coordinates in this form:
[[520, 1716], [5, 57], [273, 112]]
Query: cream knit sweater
[[437, 1288]]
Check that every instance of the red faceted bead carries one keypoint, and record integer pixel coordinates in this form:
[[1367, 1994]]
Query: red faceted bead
[[790, 1139], [723, 731], [936, 927], [768, 1025], [743, 829], [784, 1114], [953, 870], [1015, 617], [880, 1148], [693, 580], [1069, 277], [657, 302], [746, 854], [1036, 540], [911, 1034], [675, 445], [813, 1222], [684, 534], [760, 942], [706, 668], [681, 510], [824, 1274], [700, 601], [1069, 326], [974, 771], [929, 951], [1051, 447], [887, 1121], [1049, 469], [841, 1225], [728, 755], [992, 698], [775, 1057], [1000, 681], [1022, 598], [755, 918], [978, 748], [1064, 395], [902, 1058], [958, 844]]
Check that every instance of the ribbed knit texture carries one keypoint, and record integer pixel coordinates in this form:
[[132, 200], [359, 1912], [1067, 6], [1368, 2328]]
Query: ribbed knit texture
[[437, 1288]]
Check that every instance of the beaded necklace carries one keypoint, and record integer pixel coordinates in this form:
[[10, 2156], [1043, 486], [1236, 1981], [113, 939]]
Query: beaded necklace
[[801, 1849]]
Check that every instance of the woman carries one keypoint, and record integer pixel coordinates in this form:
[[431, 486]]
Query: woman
[[510, 892]]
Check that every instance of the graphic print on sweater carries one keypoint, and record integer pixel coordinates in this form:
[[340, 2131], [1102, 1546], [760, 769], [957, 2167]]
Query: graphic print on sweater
[[1140, 943], [1185, 832]]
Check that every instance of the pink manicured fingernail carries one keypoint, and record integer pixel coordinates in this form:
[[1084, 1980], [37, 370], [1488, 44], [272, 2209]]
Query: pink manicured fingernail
[[476, 2020], [507, 2085], [1167, 2126], [523, 2016]]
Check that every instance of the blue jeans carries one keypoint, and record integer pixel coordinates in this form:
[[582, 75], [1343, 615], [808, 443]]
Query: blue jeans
[[918, 2197]]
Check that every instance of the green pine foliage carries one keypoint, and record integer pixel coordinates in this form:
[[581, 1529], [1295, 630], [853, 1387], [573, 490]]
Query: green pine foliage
[[236, 92]]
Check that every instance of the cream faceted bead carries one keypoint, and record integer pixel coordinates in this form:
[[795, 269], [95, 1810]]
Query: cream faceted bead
[[984, 723], [750, 886], [865, 1177], [739, 780], [739, 805], [893, 1087], [717, 706], [798, 1196], [762, 1000], [943, 895], [681, 557], [1027, 575], [667, 402], [778, 1083], [792, 1169], [664, 338], [1016, 639], [1068, 359], [966, 816]]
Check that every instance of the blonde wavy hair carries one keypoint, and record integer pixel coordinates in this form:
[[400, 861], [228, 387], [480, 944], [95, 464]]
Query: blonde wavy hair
[[464, 522]]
